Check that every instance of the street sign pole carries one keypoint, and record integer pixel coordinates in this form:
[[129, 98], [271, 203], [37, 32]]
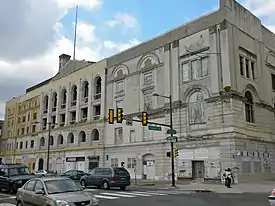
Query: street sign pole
[[172, 143]]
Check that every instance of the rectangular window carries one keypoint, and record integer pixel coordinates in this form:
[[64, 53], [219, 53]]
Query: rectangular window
[[185, 72], [33, 128], [241, 66], [148, 78], [273, 81], [194, 69], [131, 163], [114, 162], [29, 117], [148, 102], [119, 87], [204, 66], [253, 69], [24, 119], [34, 115], [26, 145], [247, 72], [32, 143], [21, 145], [28, 130], [22, 131]]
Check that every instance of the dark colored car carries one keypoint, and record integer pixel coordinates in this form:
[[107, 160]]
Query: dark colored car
[[107, 177], [14, 176], [74, 174]]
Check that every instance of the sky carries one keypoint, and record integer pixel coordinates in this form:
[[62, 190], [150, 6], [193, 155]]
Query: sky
[[35, 32]]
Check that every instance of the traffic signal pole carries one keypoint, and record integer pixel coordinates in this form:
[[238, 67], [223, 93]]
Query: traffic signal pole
[[172, 143]]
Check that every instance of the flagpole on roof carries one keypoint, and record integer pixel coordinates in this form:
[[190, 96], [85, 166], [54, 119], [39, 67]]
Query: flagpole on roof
[[75, 29]]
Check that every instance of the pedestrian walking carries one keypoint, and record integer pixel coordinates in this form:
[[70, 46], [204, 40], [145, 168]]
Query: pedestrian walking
[[228, 178]]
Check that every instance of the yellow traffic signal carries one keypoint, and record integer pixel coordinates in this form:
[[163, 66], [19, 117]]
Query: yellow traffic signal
[[176, 152], [119, 112], [144, 118], [111, 116]]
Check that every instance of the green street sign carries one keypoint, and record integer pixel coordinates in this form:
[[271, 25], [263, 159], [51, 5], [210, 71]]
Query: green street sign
[[172, 139], [171, 131], [154, 128]]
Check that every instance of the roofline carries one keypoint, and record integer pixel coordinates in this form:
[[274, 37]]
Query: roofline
[[38, 85]]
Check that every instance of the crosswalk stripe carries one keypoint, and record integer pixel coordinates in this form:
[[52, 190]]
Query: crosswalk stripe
[[104, 197], [7, 204], [115, 194], [5, 198], [90, 190], [151, 193], [134, 193]]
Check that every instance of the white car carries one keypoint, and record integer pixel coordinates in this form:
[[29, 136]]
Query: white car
[[271, 198], [41, 173]]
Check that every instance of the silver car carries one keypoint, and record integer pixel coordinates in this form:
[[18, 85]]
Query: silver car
[[54, 191]]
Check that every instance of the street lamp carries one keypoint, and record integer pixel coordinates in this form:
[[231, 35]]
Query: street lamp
[[49, 136], [172, 143]]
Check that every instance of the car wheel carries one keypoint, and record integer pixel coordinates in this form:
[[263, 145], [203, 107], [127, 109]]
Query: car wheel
[[123, 188], [105, 185], [19, 203], [83, 183]]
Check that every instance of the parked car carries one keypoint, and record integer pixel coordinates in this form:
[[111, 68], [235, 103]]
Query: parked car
[[41, 173], [74, 174], [13, 176], [53, 191], [107, 177]]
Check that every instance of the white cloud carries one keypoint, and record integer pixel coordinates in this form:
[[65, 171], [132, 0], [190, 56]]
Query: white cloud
[[124, 19], [41, 25], [119, 46], [263, 8]]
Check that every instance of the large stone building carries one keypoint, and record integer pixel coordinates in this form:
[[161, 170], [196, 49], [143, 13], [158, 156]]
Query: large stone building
[[71, 103], [220, 72]]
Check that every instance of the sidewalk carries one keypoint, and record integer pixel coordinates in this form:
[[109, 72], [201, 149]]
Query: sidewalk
[[219, 188], [263, 187]]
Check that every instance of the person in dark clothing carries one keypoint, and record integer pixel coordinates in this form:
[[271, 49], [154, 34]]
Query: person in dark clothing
[[228, 178]]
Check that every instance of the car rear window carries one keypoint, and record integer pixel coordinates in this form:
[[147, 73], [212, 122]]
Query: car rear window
[[121, 171]]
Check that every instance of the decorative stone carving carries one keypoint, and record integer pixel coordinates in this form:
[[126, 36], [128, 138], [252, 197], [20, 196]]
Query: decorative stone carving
[[195, 46]]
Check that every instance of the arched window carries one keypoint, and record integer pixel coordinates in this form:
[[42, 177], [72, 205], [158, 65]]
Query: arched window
[[196, 108], [63, 98], [60, 139], [74, 95], [85, 90], [42, 142], [249, 110], [95, 135], [46, 103], [70, 138], [54, 101], [51, 140], [97, 94], [82, 136]]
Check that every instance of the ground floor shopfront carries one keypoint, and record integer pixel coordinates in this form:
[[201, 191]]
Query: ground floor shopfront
[[204, 159]]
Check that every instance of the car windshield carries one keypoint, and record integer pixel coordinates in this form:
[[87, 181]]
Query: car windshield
[[19, 171], [62, 186]]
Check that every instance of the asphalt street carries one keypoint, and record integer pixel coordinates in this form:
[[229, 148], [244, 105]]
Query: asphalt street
[[164, 198]]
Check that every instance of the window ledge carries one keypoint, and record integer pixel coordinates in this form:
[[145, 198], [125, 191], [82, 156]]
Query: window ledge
[[251, 124]]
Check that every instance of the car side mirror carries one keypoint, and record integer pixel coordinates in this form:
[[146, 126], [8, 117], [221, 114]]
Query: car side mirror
[[39, 192]]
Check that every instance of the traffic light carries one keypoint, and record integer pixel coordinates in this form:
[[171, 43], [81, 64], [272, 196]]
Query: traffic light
[[144, 118], [111, 116], [176, 152], [168, 154], [119, 113]]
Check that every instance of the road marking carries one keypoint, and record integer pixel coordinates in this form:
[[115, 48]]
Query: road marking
[[5, 198], [5, 195], [104, 197], [115, 194], [90, 190], [134, 193], [7, 204], [151, 193]]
